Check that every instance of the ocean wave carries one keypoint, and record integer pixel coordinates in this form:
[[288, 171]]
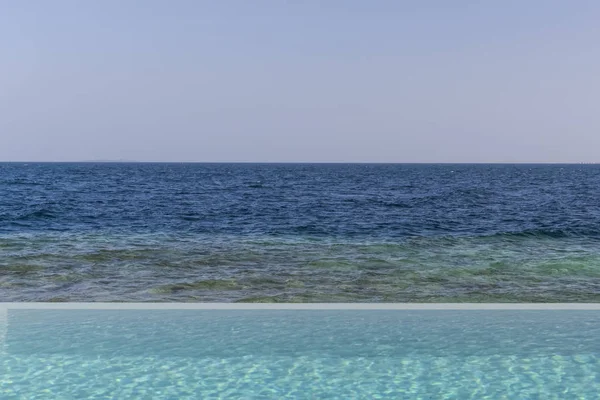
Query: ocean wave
[[40, 214], [18, 182], [557, 233]]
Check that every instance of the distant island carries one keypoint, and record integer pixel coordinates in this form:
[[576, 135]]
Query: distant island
[[108, 161]]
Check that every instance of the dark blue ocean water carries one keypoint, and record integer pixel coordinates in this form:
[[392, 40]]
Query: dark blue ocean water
[[299, 232]]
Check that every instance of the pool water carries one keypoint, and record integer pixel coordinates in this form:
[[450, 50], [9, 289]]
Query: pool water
[[299, 354]]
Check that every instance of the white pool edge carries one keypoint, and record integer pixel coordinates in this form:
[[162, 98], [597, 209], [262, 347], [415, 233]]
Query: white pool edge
[[300, 306]]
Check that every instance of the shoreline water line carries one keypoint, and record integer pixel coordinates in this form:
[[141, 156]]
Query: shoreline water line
[[301, 306]]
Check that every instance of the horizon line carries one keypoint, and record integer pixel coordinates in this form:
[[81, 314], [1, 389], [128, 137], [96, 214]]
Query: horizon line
[[309, 162]]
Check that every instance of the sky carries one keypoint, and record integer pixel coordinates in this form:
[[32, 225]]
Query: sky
[[300, 81]]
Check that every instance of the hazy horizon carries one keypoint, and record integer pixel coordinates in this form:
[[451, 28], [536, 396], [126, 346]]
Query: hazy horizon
[[291, 162], [340, 82]]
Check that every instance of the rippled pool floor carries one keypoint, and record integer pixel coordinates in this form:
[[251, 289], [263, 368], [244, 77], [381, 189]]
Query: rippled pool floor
[[256, 377], [299, 354]]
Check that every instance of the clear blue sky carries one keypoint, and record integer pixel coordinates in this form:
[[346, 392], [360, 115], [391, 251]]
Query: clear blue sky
[[349, 81]]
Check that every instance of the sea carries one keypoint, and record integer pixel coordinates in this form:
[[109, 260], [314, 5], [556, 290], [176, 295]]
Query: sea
[[193, 232]]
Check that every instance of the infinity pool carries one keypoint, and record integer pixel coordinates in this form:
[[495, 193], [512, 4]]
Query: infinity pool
[[332, 353]]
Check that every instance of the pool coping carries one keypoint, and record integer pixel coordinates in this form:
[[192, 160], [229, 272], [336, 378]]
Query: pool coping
[[300, 306]]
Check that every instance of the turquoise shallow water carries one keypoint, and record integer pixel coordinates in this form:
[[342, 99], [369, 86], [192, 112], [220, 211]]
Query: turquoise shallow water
[[300, 354], [221, 268]]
